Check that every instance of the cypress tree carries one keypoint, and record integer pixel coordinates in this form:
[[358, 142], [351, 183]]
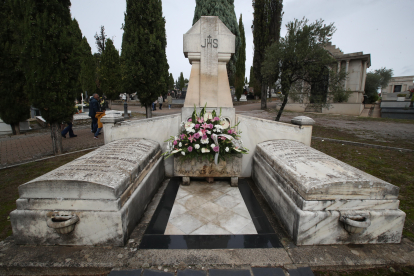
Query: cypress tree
[[143, 57], [77, 55], [14, 104], [241, 61], [181, 82], [110, 71], [224, 9], [51, 66], [88, 68], [171, 82], [266, 30]]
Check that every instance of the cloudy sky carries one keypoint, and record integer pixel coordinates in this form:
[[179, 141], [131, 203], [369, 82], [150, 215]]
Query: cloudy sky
[[382, 28]]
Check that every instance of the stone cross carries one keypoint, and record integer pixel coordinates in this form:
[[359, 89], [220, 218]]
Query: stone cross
[[208, 45]]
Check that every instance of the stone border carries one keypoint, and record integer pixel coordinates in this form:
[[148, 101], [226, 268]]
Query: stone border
[[360, 144]]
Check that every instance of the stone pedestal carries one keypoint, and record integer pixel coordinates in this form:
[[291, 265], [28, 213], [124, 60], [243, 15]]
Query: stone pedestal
[[197, 167]]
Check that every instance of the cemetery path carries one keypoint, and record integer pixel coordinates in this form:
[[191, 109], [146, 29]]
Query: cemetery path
[[30, 147]]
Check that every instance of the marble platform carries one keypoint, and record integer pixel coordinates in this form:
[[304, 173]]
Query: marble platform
[[209, 209]]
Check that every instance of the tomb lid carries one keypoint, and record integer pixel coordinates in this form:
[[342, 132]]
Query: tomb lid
[[102, 174], [317, 176]]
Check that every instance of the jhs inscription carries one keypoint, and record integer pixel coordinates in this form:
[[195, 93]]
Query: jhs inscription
[[209, 41]]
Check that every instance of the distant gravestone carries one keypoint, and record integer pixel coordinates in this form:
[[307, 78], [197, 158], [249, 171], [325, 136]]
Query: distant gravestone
[[208, 45]]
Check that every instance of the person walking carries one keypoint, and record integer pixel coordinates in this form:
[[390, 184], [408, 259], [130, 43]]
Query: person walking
[[94, 107], [169, 100], [160, 100], [69, 129]]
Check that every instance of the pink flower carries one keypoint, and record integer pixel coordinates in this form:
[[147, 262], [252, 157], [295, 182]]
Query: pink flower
[[222, 138], [196, 135], [183, 136], [197, 126], [211, 126], [191, 138], [200, 120], [204, 136], [216, 119], [175, 142], [190, 120], [205, 126], [216, 149], [190, 149], [231, 131]]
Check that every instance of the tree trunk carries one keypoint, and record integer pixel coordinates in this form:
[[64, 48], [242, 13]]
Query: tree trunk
[[16, 129], [279, 114], [13, 129], [110, 104], [264, 97], [148, 109], [55, 133]]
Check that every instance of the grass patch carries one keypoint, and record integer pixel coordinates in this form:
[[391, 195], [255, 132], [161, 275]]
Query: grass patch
[[336, 133], [392, 166], [394, 271], [12, 178]]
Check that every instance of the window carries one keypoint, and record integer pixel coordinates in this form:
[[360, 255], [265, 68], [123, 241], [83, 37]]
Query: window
[[397, 88]]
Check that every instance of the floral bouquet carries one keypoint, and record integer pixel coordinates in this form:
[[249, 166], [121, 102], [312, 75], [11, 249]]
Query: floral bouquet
[[207, 135]]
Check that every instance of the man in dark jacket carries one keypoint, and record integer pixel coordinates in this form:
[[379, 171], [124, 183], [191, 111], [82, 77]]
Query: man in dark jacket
[[94, 107]]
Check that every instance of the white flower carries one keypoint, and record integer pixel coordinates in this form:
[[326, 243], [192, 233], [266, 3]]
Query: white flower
[[208, 132], [204, 141], [175, 151], [180, 145], [214, 130], [207, 116], [188, 124], [183, 153], [204, 150], [218, 126], [224, 124], [213, 146], [237, 150], [196, 146], [190, 130], [227, 149], [201, 134]]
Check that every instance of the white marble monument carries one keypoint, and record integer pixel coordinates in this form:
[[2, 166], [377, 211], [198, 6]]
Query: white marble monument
[[97, 199], [209, 45], [321, 200]]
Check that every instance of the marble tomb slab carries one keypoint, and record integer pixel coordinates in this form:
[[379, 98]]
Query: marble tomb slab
[[107, 190], [321, 200]]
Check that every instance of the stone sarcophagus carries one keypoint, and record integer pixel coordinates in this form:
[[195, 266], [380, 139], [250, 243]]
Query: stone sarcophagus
[[96, 199], [321, 200]]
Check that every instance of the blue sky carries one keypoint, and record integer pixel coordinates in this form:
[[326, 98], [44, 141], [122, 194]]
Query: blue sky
[[382, 28]]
